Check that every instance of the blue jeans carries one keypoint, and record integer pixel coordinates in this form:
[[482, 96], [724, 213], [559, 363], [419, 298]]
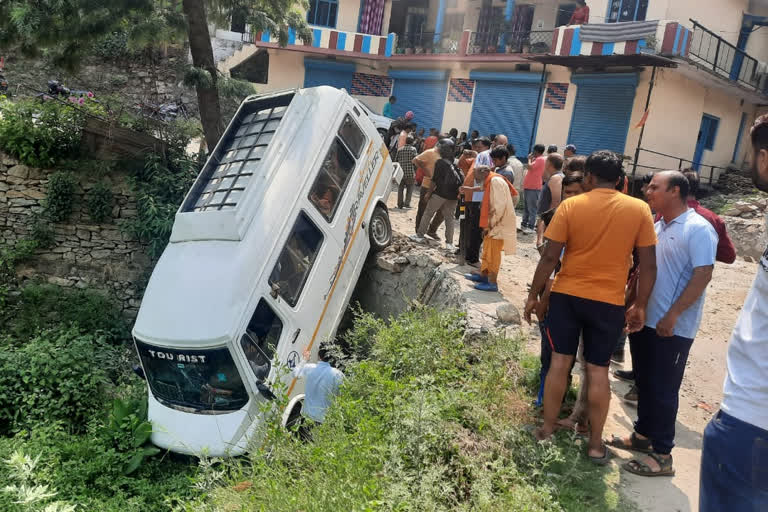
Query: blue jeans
[[734, 466], [531, 207]]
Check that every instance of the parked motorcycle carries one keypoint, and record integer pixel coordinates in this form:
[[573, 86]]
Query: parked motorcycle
[[165, 112]]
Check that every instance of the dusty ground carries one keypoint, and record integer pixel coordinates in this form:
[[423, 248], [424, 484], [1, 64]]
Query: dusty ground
[[702, 387]]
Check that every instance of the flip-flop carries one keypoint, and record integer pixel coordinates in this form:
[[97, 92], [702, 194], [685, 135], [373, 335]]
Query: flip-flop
[[476, 278], [601, 461], [644, 469]]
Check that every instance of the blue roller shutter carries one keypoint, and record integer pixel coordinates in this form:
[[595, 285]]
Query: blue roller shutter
[[506, 103], [325, 72], [422, 92], [602, 112]]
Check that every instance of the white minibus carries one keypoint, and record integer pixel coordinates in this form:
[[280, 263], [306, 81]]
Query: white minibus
[[264, 254]]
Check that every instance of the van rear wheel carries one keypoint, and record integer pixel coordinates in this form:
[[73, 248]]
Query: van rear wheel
[[380, 229]]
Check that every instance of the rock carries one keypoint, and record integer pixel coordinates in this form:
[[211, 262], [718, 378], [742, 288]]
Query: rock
[[59, 281], [34, 193], [100, 254], [749, 259], [508, 314], [83, 234], [19, 171], [389, 265], [8, 160], [401, 260], [3, 186]]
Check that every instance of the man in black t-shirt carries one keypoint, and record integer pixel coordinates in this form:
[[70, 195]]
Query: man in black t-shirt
[[444, 193]]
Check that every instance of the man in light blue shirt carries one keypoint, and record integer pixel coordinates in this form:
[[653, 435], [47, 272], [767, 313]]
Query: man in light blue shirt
[[685, 258], [388, 107], [323, 383]]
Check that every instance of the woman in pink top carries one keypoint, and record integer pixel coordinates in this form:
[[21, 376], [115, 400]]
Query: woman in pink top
[[532, 184]]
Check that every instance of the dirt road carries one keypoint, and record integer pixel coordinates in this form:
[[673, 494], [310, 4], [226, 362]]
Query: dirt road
[[702, 386]]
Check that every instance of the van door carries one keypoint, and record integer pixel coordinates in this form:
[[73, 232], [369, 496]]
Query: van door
[[347, 168]]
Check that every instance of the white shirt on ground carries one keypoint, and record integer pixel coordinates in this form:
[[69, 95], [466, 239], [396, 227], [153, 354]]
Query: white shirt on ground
[[323, 382], [746, 381]]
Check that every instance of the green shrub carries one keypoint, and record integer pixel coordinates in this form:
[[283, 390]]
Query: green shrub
[[40, 307], [56, 376], [43, 234], [113, 46], [99, 202], [59, 200], [40, 133], [159, 185], [426, 420]]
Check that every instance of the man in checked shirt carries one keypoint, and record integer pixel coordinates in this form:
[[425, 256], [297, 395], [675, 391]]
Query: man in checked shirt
[[404, 157]]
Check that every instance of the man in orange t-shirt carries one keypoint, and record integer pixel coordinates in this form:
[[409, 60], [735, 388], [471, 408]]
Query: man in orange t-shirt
[[598, 231]]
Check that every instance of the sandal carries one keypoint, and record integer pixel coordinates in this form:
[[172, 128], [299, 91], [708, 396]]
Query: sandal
[[601, 461], [636, 444], [639, 467]]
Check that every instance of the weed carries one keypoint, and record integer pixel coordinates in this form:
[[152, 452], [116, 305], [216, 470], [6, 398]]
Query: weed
[[99, 202]]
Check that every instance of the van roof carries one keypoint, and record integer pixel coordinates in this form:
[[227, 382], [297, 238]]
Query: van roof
[[205, 279]]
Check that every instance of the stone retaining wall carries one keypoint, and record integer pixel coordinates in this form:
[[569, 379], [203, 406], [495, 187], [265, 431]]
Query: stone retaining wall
[[85, 254]]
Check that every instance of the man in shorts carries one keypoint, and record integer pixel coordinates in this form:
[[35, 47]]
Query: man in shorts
[[598, 230]]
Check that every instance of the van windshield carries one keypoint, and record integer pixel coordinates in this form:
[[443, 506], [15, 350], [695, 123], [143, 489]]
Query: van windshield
[[203, 380]]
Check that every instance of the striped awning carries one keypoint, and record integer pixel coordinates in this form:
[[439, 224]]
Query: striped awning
[[625, 31]]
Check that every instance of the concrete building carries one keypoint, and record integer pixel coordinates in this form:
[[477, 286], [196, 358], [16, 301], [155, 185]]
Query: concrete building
[[514, 67]]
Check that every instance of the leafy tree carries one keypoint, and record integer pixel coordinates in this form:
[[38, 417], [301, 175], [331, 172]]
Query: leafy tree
[[275, 16], [63, 29]]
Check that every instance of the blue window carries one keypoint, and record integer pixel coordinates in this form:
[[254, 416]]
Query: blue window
[[323, 13], [626, 10]]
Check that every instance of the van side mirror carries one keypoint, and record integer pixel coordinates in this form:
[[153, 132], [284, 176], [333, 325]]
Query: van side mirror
[[265, 391]]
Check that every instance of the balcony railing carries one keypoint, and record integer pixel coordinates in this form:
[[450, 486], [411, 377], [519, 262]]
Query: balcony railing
[[726, 60], [426, 42], [527, 41]]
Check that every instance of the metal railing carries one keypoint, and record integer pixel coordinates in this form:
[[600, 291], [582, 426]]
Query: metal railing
[[708, 174], [726, 60], [518, 41], [416, 43]]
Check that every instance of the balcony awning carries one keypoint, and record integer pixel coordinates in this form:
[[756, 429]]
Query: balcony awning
[[604, 61]]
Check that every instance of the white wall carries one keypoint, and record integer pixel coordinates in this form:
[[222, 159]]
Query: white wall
[[348, 15], [554, 124]]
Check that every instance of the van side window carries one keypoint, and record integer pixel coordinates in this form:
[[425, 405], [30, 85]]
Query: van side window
[[352, 136], [296, 260], [261, 339], [332, 179]]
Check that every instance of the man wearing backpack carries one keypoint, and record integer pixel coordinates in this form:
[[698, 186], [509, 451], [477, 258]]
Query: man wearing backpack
[[444, 193]]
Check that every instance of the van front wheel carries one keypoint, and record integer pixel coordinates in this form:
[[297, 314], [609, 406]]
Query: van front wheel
[[380, 229]]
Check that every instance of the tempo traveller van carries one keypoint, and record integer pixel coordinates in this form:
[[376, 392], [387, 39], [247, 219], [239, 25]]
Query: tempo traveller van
[[265, 252]]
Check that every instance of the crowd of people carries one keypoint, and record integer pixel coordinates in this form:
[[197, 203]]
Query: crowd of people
[[611, 265]]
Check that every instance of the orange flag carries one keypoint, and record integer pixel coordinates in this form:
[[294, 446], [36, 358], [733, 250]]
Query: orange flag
[[643, 119]]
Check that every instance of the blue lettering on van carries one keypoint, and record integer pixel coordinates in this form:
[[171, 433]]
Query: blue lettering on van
[[366, 175]]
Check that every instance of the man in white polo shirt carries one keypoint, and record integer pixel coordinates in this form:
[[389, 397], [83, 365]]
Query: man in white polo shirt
[[734, 455], [685, 258]]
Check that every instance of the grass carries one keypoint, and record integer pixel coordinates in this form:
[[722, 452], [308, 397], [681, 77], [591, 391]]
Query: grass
[[426, 421]]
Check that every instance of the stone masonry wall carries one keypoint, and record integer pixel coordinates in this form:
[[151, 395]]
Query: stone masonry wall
[[97, 256]]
